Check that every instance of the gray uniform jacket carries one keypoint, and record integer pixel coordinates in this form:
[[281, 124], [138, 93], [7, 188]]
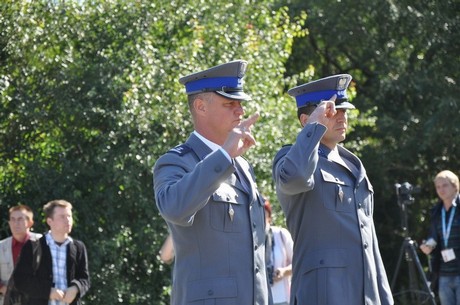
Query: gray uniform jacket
[[219, 259], [328, 206]]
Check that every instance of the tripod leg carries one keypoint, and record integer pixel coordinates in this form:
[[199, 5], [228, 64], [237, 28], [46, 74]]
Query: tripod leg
[[412, 253], [398, 265]]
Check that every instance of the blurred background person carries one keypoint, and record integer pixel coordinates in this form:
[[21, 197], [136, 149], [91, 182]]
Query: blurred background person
[[443, 242], [21, 220], [278, 246], [62, 274]]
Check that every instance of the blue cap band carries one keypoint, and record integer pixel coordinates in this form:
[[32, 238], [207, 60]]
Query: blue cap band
[[214, 84], [312, 97]]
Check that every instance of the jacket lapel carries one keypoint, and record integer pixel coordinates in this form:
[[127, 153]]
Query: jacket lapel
[[244, 170], [71, 260], [200, 149]]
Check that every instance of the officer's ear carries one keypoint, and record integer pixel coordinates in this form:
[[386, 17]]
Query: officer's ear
[[303, 119], [198, 105]]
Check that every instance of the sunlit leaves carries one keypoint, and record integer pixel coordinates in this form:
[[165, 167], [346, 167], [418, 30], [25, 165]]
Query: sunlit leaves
[[90, 98]]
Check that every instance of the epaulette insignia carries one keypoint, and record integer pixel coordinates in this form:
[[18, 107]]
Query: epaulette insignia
[[181, 149], [322, 153]]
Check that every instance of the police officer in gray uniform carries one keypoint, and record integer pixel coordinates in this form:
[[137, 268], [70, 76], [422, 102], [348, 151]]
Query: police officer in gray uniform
[[208, 196], [328, 201]]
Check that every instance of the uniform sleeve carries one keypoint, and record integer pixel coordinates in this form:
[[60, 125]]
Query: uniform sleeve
[[183, 186], [294, 166], [386, 297]]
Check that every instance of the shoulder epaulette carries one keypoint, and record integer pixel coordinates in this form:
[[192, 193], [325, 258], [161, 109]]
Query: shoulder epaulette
[[181, 149], [279, 155], [321, 152]]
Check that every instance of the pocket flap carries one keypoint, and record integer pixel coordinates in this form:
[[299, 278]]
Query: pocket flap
[[225, 193], [327, 177], [328, 258], [212, 289]]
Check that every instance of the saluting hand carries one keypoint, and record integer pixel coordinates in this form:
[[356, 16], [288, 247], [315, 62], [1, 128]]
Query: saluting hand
[[323, 112], [240, 138]]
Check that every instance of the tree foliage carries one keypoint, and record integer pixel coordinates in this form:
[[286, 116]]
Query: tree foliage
[[90, 98]]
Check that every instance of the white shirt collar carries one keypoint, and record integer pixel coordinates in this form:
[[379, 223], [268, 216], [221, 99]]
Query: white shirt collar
[[50, 240], [213, 146]]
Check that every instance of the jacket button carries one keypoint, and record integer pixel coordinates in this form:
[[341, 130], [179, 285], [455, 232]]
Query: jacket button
[[210, 292]]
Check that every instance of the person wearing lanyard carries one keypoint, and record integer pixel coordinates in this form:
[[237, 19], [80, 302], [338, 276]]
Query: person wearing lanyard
[[443, 243]]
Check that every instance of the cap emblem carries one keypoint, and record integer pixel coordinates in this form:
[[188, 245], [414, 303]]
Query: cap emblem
[[342, 83], [242, 71]]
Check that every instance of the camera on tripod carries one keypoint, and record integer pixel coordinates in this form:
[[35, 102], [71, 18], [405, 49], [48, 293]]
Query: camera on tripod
[[419, 290], [404, 191]]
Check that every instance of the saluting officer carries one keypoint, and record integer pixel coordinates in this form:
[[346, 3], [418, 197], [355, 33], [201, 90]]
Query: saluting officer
[[328, 201], [208, 196]]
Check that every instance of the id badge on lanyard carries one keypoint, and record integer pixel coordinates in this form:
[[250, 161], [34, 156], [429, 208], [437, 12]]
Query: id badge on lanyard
[[448, 254]]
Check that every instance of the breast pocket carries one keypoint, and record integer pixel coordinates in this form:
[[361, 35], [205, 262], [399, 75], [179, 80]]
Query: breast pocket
[[225, 210], [324, 274], [337, 193]]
